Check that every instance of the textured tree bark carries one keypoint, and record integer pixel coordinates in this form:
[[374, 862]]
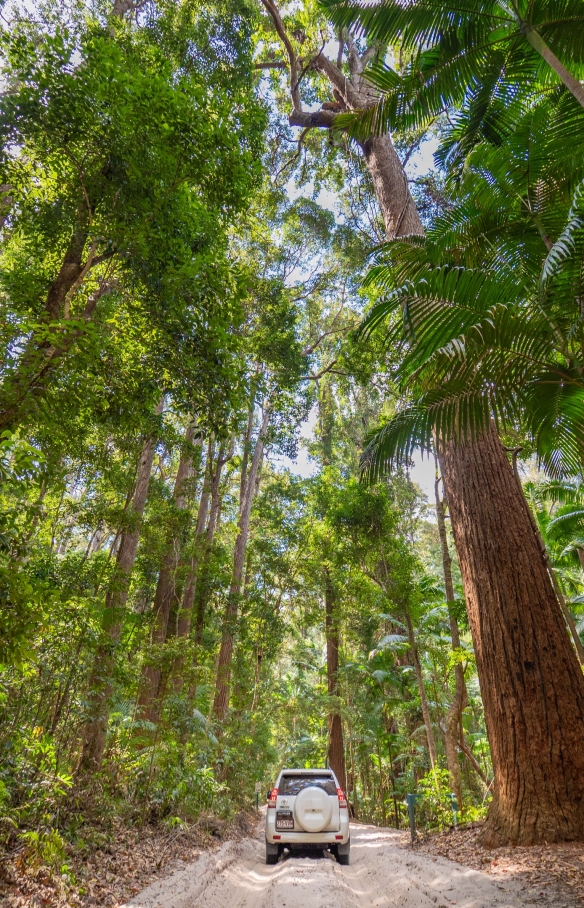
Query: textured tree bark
[[221, 701], [532, 685], [336, 750], [555, 582], [454, 714], [101, 680], [167, 592], [391, 188]]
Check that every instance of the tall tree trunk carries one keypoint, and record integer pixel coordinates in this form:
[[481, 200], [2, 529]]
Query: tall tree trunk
[[186, 612], [454, 714], [532, 685], [201, 591], [101, 682], [422, 691], [221, 701], [167, 592], [336, 750], [501, 606]]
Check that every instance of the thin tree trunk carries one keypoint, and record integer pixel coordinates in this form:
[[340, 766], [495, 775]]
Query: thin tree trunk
[[186, 611], [532, 685], [101, 680], [212, 524], [336, 751], [221, 701], [167, 593], [422, 691], [454, 714], [474, 762]]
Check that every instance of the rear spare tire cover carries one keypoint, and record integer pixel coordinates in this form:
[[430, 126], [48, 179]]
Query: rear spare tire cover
[[313, 809]]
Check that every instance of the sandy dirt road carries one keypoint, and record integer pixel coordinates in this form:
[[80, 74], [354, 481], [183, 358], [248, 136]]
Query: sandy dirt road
[[381, 875]]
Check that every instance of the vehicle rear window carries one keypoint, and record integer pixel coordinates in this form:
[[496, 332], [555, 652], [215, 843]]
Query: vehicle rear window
[[293, 784]]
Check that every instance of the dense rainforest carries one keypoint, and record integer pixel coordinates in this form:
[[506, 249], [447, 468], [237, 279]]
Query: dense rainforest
[[257, 261]]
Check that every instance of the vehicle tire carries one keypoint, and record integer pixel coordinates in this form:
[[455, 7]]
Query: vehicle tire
[[343, 854], [272, 853]]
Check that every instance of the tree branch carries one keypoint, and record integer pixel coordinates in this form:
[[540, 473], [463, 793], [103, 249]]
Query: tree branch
[[318, 375], [274, 13], [337, 78], [295, 156], [273, 64], [322, 119]]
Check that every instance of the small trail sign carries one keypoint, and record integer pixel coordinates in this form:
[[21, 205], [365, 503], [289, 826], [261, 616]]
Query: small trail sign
[[257, 788]]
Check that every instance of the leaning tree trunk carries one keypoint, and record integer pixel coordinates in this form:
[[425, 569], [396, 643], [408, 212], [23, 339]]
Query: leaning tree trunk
[[221, 701], [336, 749], [101, 682], [167, 593], [454, 714], [532, 685]]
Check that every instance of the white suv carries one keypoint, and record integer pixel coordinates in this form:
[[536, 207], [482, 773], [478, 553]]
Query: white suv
[[307, 807]]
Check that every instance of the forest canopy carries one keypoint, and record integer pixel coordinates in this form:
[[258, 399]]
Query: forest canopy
[[263, 266]]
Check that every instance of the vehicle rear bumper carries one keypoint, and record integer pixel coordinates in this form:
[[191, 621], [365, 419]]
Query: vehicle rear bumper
[[341, 837]]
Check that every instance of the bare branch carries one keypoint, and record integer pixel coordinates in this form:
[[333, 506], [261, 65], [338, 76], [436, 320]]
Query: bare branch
[[332, 330], [341, 49], [295, 156], [271, 64], [310, 63], [323, 371], [274, 13], [337, 78], [322, 119], [368, 55], [121, 7]]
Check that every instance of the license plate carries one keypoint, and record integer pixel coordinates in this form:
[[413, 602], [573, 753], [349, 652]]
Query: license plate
[[284, 824]]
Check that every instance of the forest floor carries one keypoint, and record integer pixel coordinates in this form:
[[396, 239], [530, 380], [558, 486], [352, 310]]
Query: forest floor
[[105, 874], [547, 870], [155, 868]]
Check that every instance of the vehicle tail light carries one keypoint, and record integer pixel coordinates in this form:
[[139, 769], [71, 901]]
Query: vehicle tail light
[[273, 796], [339, 838], [341, 797]]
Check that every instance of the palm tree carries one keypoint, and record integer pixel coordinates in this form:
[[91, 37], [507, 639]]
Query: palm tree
[[491, 326]]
